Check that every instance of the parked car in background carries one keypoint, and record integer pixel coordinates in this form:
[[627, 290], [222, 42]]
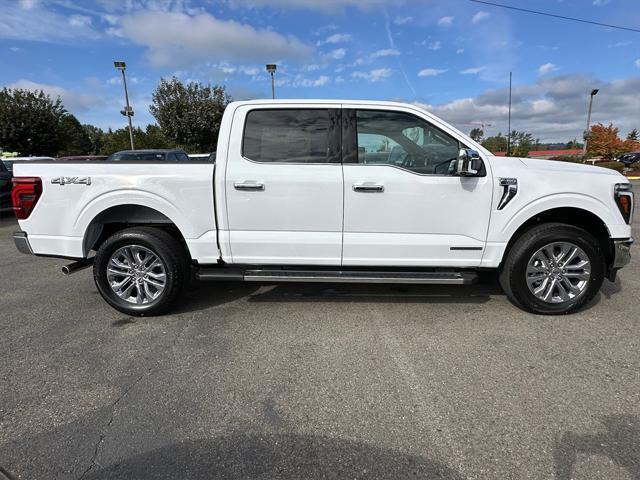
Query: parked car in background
[[629, 158], [9, 161], [203, 157], [160, 155], [5, 188], [82, 158]]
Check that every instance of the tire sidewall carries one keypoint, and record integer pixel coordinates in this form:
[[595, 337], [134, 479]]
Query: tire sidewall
[[568, 234], [103, 257]]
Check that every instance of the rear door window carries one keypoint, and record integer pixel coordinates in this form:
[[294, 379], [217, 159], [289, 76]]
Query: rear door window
[[292, 136]]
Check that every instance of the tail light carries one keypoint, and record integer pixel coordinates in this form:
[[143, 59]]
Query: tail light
[[25, 194], [623, 196]]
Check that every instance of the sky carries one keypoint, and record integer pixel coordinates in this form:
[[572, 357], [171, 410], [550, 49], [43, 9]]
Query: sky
[[452, 57]]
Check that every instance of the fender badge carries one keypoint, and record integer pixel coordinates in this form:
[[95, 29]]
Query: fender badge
[[71, 180]]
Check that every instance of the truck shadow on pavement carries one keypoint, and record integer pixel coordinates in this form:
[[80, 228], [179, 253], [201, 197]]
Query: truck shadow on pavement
[[620, 443], [204, 295], [271, 456]]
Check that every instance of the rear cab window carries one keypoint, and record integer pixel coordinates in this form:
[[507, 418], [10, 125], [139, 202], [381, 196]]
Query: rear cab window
[[304, 136]]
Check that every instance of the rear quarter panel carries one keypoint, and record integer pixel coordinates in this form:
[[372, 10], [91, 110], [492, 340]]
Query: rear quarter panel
[[182, 192]]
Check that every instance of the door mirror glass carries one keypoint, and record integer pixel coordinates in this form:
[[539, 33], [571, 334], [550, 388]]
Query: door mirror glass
[[469, 162]]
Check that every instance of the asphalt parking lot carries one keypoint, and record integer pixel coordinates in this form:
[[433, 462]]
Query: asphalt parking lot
[[314, 381]]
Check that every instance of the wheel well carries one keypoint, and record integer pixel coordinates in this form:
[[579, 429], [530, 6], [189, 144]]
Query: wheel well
[[117, 218], [571, 216]]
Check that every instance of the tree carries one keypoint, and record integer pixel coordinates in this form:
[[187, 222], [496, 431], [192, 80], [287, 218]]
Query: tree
[[117, 140], [604, 141], [30, 122], [74, 139], [573, 144], [497, 143], [633, 135], [521, 143], [476, 134], [189, 115], [96, 137]]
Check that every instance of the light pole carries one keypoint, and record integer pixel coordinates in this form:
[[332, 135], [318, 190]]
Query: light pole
[[271, 68], [594, 92], [128, 111]]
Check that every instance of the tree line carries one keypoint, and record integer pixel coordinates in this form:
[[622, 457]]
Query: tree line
[[602, 141], [188, 116]]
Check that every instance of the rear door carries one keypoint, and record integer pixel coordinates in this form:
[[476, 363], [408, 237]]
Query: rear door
[[403, 205], [284, 185]]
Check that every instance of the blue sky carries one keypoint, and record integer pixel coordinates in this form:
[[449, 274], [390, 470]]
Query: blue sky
[[451, 56]]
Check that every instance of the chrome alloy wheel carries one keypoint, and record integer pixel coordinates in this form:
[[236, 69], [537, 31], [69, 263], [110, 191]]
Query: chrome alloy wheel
[[558, 272], [136, 274]]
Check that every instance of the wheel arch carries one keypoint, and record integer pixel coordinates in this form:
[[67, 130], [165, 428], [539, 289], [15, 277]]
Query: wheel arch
[[577, 217], [118, 217]]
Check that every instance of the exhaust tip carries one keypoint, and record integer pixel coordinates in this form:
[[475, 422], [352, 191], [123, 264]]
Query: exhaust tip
[[66, 270]]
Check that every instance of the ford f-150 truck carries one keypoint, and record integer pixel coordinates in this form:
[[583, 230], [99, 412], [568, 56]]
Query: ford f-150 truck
[[331, 191]]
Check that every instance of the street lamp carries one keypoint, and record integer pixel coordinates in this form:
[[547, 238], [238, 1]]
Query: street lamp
[[271, 68], [128, 111], [594, 92]]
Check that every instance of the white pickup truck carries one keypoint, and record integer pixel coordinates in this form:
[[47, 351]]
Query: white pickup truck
[[331, 191]]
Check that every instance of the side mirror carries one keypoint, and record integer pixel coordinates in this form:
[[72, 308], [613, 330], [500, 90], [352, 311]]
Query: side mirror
[[469, 162]]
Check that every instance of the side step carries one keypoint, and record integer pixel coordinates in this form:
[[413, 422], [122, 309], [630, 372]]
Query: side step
[[339, 276]]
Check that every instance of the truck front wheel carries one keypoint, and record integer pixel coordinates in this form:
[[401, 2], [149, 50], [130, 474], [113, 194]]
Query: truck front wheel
[[553, 269], [140, 271]]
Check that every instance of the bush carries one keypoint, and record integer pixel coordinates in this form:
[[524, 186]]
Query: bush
[[618, 166], [568, 158]]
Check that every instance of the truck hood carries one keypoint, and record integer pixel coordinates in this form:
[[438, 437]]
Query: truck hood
[[566, 167]]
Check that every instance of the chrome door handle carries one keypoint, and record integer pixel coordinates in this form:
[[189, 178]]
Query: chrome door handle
[[368, 187], [253, 186]]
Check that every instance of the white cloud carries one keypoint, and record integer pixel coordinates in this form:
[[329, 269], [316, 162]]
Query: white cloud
[[73, 101], [335, 38], [318, 82], [326, 6], [311, 67], [437, 45], [619, 44], [431, 72], [547, 68], [374, 75], [445, 21], [339, 79], [600, 3], [79, 21], [29, 20], [175, 39], [552, 108], [480, 16], [337, 54], [472, 70], [403, 20], [385, 52], [459, 51], [637, 62]]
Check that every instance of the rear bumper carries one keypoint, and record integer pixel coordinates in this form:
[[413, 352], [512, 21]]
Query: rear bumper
[[22, 243]]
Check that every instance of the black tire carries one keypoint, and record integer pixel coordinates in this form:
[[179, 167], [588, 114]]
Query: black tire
[[170, 252], [513, 272]]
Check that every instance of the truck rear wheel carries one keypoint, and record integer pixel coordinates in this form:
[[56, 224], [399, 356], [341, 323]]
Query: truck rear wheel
[[553, 269], [141, 271]]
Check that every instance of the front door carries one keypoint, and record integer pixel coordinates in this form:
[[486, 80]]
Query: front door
[[284, 185], [403, 204]]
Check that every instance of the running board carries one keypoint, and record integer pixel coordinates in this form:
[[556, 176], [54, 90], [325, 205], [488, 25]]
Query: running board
[[328, 276]]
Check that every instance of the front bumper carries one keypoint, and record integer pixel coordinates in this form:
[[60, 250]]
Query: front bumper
[[22, 243], [621, 256]]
